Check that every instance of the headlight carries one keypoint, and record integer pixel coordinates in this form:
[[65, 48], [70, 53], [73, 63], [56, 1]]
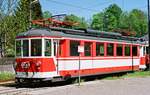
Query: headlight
[[38, 64], [25, 65]]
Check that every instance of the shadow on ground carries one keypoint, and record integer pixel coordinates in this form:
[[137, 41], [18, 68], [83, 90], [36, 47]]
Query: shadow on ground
[[63, 83]]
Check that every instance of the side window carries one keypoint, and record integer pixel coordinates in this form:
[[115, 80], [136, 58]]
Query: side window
[[134, 50], [74, 48], [110, 49], [119, 50], [18, 47], [127, 50], [99, 49], [25, 47], [47, 47], [87, 49]]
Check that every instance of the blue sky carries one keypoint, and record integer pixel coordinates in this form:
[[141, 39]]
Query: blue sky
[[86, 8]]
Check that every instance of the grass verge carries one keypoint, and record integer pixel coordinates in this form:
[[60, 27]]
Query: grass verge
[[6, 76], [129, 75], [138, 74]]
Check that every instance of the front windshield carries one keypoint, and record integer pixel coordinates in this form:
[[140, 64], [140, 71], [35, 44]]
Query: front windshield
[[36, 47]]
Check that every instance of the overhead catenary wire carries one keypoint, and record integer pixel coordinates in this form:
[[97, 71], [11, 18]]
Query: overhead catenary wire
[[90, 7], [75, 6], [101, 4]]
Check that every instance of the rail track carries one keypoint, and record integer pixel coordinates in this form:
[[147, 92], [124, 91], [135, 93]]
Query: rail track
[[12, 89], [18, 91]]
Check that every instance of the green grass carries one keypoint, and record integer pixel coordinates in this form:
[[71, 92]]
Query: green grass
[[138, 74], [129, 75], [116, 76], [5, 76]]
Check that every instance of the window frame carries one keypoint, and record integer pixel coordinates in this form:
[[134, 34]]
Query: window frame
[[29, 39], [125, 50], [16, 48], [43, 51], [99, 43], [91, 44], [117, 49], [70, 51], [133, 51], [22, 39], [113, 52], [36, 48], [23, 47]]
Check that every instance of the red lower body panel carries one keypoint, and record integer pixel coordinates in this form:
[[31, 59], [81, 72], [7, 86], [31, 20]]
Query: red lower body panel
[[96, 71]]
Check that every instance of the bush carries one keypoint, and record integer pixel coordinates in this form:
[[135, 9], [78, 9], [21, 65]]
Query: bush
[[10, 53]]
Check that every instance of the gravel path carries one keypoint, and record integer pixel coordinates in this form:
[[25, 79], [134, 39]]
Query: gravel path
[[129, 86]]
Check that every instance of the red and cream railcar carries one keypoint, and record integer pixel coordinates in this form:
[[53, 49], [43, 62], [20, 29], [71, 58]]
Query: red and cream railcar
[[53, 54], [147, 56]]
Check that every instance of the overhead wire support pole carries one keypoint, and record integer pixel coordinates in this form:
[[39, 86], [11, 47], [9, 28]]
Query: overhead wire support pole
[[79, 76], [148, 30], [30, 16], [30, 12]]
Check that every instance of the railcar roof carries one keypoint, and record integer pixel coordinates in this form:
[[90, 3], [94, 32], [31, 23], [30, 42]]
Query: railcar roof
[[35, 32], [46, 32]]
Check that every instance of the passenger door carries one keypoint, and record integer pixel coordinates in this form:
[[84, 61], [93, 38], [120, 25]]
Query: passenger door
[[55, 52]]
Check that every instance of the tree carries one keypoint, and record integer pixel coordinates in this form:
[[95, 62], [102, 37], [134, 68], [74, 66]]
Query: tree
[[107, 20], [83, 23], [110, 22], [23, 13], [8, 35], [36, 10], [79, 22], [47, 14], [7, 8], [20, 19], [124, 21], [98, 22], [7, 25], [14, 18], [138, 22], [112, 17]]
